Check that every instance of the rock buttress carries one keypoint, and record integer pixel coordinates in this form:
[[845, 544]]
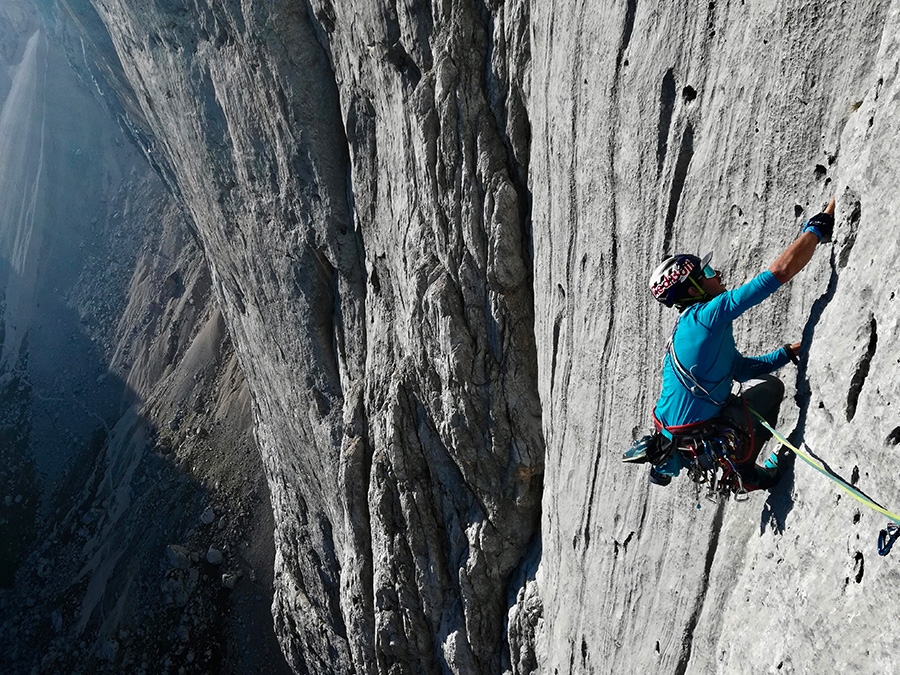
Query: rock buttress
[[357, 177]]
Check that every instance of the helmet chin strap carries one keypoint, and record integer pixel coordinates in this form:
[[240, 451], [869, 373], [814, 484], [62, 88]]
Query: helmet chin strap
[[700, 288], [693, 299]]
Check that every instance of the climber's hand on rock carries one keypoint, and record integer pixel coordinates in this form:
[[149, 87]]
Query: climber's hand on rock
[[822, 224], [793, 352]]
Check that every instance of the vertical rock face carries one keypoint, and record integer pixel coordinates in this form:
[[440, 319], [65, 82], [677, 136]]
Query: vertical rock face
[[438, 139], [364, 210], [429, 226], [717, 127]]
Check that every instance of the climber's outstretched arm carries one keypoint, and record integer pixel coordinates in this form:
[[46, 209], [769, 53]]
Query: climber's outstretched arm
[[799, 253]]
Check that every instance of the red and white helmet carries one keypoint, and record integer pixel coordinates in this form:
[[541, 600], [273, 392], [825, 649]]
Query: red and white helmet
[[669, 282]]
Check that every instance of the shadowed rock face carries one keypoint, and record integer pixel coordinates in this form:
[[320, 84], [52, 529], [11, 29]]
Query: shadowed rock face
[[123, 412], [429, 226]]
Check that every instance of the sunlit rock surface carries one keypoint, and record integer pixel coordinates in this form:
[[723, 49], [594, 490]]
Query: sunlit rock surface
[[428, 228], [717, 127]]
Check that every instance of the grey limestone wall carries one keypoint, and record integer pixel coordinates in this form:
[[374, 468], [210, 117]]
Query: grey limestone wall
[[713, 126]]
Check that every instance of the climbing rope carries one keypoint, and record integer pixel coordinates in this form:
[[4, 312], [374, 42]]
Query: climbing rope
[[888, 535], [818, 466]]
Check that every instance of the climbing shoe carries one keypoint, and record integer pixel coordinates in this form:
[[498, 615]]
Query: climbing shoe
[[781, 453], [771, 463], [657, 477]]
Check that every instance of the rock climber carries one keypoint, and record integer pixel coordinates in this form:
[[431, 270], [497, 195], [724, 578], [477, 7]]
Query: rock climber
[[701, 425]]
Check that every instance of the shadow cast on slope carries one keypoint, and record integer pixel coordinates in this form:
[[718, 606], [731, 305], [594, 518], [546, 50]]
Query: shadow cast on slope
[[106, 519], [108, 549]]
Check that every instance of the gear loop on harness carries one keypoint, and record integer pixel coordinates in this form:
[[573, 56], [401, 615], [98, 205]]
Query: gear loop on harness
[[712, 451]]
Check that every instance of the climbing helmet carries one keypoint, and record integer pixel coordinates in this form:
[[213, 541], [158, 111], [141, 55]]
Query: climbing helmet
[[670, 281]]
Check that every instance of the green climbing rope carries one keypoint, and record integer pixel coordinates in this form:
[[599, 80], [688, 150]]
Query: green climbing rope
[[818, 466]]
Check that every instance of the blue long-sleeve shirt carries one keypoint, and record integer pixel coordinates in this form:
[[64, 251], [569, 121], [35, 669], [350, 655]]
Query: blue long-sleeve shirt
[[704, 344]]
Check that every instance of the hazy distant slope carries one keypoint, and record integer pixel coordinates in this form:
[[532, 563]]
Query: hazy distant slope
[[123, 413]]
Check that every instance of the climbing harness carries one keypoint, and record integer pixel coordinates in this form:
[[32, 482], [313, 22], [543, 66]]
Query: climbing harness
[[711, 451], [888, 535]]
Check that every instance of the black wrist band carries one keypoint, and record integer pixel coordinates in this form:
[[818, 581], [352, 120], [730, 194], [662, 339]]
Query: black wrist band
[[791, 355]]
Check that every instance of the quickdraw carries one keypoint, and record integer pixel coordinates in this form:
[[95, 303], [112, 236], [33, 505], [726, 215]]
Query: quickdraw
[[887, 537]]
